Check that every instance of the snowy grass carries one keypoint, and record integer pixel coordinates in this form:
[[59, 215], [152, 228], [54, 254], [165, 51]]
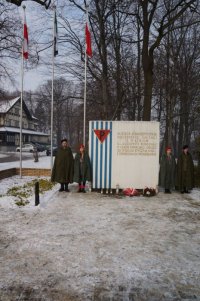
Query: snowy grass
[[16, 191]]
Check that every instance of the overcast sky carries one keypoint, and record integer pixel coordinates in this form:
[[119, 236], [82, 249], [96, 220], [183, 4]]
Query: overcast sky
[[39, 18]]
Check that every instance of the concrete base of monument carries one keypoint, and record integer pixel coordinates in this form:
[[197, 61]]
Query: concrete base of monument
[[146, 192]]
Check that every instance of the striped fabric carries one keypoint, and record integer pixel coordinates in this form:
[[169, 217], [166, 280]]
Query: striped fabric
[[100, 151]]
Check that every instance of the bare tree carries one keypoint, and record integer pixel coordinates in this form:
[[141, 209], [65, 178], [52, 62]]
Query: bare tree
[[156, 18], [10, 39], [176, 90], [65, 99]]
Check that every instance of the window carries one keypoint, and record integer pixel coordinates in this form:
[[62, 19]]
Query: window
[[16, 123], [16, 111], [1, 121], [10, 138], [7, 122], [2, 138]]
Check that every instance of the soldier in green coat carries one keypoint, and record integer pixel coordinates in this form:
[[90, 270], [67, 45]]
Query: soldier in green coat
[[63, 166], [185, 171], [82, 168], [167, 171]]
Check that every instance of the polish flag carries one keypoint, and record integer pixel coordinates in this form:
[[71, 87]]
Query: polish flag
[[55, 35], [25, 40], [88, 40]]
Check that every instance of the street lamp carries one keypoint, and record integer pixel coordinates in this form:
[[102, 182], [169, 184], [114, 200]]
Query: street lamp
[[46, 3]]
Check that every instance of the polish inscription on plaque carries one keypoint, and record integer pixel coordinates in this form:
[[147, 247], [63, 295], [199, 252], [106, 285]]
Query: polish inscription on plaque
[[136, 143]]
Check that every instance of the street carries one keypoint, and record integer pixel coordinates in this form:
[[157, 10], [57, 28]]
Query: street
[[15, 156]]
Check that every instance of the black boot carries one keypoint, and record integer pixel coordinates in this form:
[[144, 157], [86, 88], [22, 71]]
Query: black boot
[[80, 189], [66, 187], [185, 190], [61, 187], [83, 190]]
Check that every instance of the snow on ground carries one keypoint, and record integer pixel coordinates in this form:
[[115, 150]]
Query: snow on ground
[[96, 247]]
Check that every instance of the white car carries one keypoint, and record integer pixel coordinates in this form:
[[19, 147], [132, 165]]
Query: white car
[[26, 148]]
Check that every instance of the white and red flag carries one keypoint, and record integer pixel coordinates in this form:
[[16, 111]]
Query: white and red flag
[[55, 35], [88, 40], [25, 39]]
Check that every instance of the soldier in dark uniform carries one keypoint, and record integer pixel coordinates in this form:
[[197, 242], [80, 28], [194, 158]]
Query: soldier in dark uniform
[[185, 171], [167, 171], [82, 168], [63, 166]]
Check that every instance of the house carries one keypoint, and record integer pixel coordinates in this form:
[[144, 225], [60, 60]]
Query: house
[[10, 126]]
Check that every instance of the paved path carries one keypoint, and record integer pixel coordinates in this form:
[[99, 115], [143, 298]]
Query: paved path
[[11, 160], [12, 157]]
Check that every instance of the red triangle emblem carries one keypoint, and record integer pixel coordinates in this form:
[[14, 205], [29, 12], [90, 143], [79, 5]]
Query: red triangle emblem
[[102, 134]]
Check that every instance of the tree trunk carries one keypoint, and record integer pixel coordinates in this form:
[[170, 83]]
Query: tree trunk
[[148, 86], [105, 108], [138, 73], [147, 64]]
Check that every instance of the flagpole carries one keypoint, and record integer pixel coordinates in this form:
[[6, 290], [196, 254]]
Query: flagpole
[[52, 87], [84, 103], [21, 100], [85, 86]]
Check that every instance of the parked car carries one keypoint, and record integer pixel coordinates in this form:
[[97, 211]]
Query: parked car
[[40, 147], [48, 151], [26, 148]]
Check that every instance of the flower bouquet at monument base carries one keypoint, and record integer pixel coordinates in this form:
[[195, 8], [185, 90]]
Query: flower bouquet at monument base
[[131, 192], [149, 191]]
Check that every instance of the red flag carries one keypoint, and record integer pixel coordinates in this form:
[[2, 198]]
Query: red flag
[[88, 41], [25, 41]]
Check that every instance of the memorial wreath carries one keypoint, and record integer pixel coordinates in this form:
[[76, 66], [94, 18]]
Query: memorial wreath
[[149, 191], [131, 192]]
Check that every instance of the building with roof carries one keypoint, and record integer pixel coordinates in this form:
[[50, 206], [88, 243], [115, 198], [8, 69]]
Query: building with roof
[[10, 125]]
